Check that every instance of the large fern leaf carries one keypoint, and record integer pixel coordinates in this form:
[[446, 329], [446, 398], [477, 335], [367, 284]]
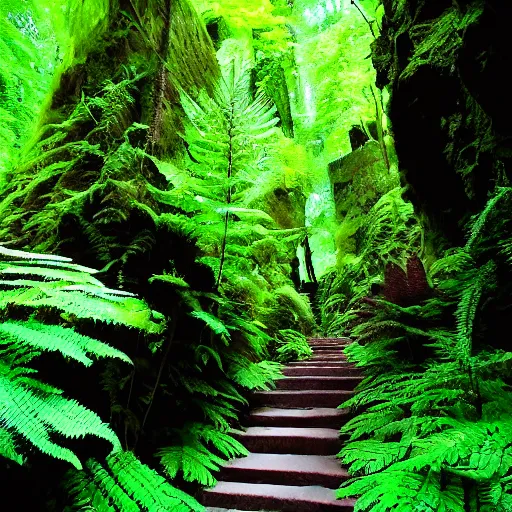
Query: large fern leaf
[[56, 338], [124, 483], [36, 415], [194, 457]]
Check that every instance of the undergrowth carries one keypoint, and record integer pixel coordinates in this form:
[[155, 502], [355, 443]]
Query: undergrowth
[[148, 160], [432, 429]]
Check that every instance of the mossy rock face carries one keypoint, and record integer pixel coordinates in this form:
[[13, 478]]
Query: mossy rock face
[[359, 179], [446, 64], [271, 74], [217, 28], [286, 207]]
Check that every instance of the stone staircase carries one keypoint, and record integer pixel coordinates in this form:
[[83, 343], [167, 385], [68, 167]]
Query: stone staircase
[[293, 439]]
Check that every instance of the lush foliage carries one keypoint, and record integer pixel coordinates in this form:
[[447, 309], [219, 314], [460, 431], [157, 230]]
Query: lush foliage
[[385, 234], [433, 429], [44, 301], [157, 162], [123, 483]]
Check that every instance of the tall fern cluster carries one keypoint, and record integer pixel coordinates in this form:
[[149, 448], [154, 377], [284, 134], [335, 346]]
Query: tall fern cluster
[[434, 410], [44, 302], [389, 230], [37, 33], [154, 168]]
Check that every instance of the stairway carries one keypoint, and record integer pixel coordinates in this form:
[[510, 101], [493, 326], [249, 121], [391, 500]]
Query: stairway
[[293, 439]]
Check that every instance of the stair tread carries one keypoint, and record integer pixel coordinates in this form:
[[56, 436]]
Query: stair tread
[[321, 348], [314, 340], [328, 378], [304, 494], [330, 350], [289, 432], [329, 417], [307, 383], [331, 364], [319, 371], [218, 509], [295, 413], [318, 355], [328, 364], [308, 453], [289, 463], [293, 392]]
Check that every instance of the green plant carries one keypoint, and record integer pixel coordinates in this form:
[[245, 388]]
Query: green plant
[[36, 288], [224, 143], [194, 455], [291, 345], [43, 299], [388, 232], [434, 407], [122, 482]]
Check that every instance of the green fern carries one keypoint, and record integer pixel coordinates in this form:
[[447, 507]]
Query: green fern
[[224, 139], [35, 412], [467, 308], [480, 221], [292, 345], [124, 483], [433, 432], [390, 230], [55, 338], [193, 456], [254, 376], [212, 322], [403, 491], [73, 291]]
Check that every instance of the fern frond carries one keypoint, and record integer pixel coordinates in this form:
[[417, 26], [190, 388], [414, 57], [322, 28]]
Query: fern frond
[[227, 445], [371, 456], [219, 413], [454, 261], [124, 483], [195, 462], [194, 457], [403, 491], [481, 220], [34, 416], [466, 310], [56, 338], [8, 447], [73, 291], [292, 345], [257, 376], [216, 325]]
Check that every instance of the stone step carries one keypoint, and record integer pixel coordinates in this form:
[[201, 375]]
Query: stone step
[[300, 399], [319, 371], [322, 348], [327, 358], [285, 498], [285, 469], [318, 383], [340, 364], [324, 417], [328, 352], [300, 441], [313, 341], [328, 349], [218, 509]]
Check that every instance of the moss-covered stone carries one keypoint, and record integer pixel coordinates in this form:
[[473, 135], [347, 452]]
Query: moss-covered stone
[[359, 179], [446, 64]]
